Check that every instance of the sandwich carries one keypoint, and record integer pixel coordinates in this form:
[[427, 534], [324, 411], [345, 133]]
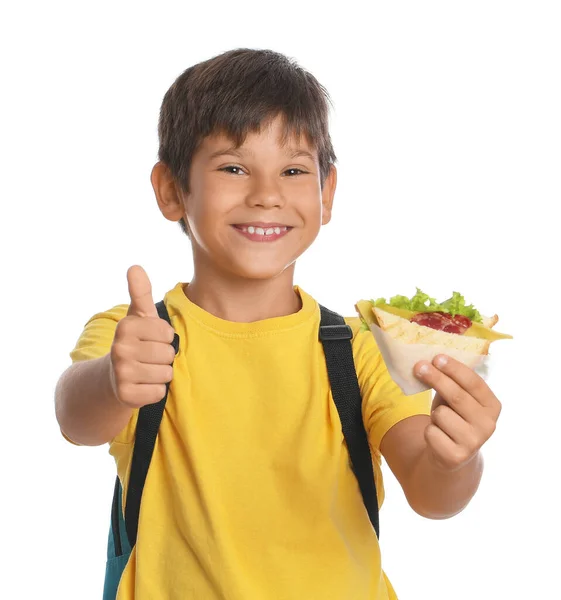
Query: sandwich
[[418, 328]]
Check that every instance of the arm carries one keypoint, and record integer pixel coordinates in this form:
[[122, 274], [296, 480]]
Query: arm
[[95, 398], [87, 409], [432, 492], [437, 459]]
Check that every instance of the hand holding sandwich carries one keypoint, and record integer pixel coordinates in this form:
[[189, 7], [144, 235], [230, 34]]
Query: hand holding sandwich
[[464, 412], [436, 345]]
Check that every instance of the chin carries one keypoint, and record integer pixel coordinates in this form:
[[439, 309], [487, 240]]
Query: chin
[[261, 272]]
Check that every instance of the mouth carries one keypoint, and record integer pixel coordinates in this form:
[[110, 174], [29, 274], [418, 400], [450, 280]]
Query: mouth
[[262, 232]]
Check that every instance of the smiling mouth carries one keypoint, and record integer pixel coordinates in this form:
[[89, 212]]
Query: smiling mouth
[[268, 233]]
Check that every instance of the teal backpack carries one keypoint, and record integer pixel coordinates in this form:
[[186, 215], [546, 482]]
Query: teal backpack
[[336, 337]]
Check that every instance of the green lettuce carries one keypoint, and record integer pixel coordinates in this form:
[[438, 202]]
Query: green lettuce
[[421, 302]]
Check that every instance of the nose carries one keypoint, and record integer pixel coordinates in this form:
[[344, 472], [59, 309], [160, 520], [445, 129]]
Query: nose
[[265, 194]]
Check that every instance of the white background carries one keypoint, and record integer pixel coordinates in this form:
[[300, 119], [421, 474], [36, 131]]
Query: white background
[[448, 132]]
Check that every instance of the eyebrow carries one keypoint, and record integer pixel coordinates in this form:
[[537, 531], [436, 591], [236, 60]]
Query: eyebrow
[[294, 153], [226, 152], [304, 153]]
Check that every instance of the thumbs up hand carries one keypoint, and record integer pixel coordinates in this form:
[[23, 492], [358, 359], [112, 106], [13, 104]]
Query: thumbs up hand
[[140, 292], [141, 353]]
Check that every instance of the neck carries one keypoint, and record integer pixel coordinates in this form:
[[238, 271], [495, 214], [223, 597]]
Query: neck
[[244, 300]]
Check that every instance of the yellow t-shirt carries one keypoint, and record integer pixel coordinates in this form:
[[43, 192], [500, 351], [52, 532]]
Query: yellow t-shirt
[[250, 495]]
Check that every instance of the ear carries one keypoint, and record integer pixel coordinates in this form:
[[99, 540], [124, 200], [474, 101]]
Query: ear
[[327, 195], [170, 202]]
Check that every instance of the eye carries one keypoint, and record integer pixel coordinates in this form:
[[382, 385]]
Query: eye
[[295, 171], [232, 169]]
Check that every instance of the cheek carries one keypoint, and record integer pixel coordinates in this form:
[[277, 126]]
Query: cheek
[[208, 218], [214, 198], [199, 218], [313, 214], [200, 204], [306, 199]]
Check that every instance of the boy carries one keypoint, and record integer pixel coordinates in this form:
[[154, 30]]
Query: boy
[[250, 494]]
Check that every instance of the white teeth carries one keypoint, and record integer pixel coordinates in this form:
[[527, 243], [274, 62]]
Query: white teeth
[[262, 231]]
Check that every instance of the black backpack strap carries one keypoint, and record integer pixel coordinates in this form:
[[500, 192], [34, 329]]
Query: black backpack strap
[[149, 419], [336, 337]]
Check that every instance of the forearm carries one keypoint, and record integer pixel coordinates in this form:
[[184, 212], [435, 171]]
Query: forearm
[[436, 493], [87, 409]]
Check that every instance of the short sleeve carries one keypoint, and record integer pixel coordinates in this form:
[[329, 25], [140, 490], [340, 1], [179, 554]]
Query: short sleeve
[[96, 338], [383, 403]]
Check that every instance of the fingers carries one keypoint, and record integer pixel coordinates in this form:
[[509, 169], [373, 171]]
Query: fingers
[[467, 379], [445, 451], [142, 353], [457, 398], [140, 291], [141, 370], [464, 413], [461, 387], [141, 373], [147, 353], [137, 396], [456, 428], [146, 329], [155, 353]]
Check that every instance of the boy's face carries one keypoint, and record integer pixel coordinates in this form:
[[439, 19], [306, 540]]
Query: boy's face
[[261, 184]]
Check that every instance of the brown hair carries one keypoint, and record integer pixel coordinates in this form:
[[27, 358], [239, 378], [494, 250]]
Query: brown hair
[[235, 93]]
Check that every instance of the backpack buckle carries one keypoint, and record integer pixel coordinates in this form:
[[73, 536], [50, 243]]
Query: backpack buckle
[[335, 332]]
